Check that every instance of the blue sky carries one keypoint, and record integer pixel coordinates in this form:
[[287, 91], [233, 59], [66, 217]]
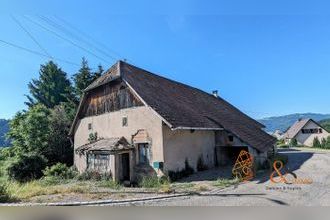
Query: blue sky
[[265, 57]]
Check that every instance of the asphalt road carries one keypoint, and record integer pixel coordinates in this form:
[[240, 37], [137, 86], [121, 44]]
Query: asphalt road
[[262, 192]]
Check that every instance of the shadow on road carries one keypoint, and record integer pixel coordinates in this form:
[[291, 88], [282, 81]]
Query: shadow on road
[[296, 159]]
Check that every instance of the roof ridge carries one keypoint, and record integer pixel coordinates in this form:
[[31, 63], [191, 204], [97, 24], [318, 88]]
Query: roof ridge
[[168, 79], [194, 88]]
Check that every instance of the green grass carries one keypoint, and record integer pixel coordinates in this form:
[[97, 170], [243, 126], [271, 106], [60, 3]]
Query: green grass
[[109, 184], [222, 183], [152, 182], [25, 191]]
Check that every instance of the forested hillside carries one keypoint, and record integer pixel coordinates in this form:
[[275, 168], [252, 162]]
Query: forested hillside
[[326, 124], [284, 122]]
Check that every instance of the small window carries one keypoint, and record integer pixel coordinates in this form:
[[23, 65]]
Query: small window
[[144, 153], [124, 122], [231, 138], [320, 130], [89, 126]]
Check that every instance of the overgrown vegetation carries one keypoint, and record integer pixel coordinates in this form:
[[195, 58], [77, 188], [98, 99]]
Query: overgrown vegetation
[[153, 182], [27, 167], [94, 175], [39, 135], [4, 194], [109, 184], [92, 137], [60, 170], [23, 192]]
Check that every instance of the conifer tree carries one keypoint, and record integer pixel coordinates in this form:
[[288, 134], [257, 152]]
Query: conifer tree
[[51, 88]]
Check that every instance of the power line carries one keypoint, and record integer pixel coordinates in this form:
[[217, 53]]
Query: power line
[[65, 39], [30, 35], [68, 32], [86, 35], [37, 53]]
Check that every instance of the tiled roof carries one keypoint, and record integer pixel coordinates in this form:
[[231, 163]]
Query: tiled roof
[[184, 107], [109, 144]]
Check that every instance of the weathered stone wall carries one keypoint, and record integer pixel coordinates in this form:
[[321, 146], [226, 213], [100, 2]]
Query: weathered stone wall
[[184, 144], [110, 125]]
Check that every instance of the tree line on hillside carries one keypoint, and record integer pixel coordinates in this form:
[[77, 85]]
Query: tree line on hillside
[[326, 124], [39, 135]]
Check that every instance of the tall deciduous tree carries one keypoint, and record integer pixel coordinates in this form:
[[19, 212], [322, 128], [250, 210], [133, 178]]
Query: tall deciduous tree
[[43, 131], [51, 88], [29, 131]]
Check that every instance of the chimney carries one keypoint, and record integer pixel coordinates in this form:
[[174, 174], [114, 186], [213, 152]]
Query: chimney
[[215, 93]]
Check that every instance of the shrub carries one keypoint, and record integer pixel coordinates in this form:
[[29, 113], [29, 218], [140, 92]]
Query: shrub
[[317, 143], [152, 182], [94, 175], [327, 144], [323, 142], [149, 182], [60, 170], [293, 142], [4, 194], [200, 164], [27, 167], [92, 137]]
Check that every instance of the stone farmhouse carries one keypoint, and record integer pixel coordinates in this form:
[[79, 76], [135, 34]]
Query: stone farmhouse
[[131, 122]]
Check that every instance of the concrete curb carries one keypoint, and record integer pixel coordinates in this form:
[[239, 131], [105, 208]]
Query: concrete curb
[[98, 202]]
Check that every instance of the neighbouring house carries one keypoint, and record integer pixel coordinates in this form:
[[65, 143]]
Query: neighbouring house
[[131, 122], [304, 131], [277, 134]]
